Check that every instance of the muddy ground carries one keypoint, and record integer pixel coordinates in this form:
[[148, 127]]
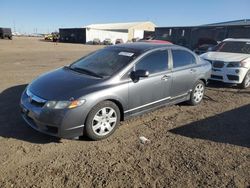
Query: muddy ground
[[203, 146]]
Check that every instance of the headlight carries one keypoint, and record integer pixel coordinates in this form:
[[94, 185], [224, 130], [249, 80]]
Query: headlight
[[234, 64], [64, 104], [237, 64]]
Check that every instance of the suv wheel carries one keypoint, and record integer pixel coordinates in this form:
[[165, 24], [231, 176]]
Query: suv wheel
[[102, 120], [246, 82], [197, 93]]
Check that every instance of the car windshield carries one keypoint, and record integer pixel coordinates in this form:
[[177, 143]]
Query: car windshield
[[233, 47], [105, 62]]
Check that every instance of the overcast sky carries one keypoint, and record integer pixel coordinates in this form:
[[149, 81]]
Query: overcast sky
[[29, 16]]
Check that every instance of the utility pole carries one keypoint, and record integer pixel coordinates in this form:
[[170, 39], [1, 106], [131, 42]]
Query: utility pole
[[14, 25]]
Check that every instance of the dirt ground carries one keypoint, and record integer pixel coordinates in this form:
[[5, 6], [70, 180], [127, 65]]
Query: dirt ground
[[203, 146]]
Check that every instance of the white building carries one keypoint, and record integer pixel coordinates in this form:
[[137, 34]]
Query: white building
[[113, 31]]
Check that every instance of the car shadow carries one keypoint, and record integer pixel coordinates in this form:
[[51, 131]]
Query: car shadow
[[11, 123], [231, 127], [225, 87], [219, 84]]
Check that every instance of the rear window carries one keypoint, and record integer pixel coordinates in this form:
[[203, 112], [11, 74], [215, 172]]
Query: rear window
[[233, 47], [154, 62], [182, 58]]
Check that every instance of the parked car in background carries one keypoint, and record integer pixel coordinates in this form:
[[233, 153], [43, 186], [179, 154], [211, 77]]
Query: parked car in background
[[48, 37], [119, 41], [5, 33], [203, 48], [107, 41], [135, 39], [204, 44], [96, 92], [96, 41], [231, 62], [54, 37]]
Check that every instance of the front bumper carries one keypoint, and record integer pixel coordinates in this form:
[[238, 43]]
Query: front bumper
[[229, 75], [65, 123]]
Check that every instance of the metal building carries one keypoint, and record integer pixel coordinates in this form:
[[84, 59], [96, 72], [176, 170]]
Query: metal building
[[194, 36], [72, 35]]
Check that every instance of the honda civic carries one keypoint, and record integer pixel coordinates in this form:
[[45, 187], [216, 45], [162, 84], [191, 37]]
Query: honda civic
[[92, 95]]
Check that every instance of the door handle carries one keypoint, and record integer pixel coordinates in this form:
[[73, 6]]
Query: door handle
[[165, 77], [192, 70]]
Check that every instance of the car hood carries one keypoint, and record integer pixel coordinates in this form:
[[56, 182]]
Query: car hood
[[224, 56], [62, 84]]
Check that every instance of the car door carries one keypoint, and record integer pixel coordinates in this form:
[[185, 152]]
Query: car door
[[155, 88], [184, 71]]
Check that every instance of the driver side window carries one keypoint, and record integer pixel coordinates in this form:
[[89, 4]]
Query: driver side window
[[154, 62]]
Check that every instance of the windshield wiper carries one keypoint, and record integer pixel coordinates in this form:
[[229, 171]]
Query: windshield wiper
[[86, 71]]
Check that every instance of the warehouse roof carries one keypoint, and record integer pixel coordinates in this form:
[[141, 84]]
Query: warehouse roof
[[116, 26], [231, 23], [245, 22]]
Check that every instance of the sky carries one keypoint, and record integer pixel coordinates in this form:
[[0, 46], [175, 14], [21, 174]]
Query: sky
[[43, 16]]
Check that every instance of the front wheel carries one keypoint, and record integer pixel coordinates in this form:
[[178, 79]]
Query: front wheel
[[246, 82], [102, 120], [197, 93]]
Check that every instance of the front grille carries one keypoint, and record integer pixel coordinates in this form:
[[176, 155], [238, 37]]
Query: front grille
[[35, 100], [217, 77], [218, 64], [233, 77], [36, 103]]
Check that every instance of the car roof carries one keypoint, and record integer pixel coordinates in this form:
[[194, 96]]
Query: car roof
[[237, 40], [159, 41], [141, 46]]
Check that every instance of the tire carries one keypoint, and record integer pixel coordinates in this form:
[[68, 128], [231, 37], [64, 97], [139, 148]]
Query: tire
[[197, 93], [246, 82], [102, 120]]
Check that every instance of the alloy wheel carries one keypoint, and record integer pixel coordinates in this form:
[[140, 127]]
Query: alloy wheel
[[104, 121], [198, 93], [247, 79]]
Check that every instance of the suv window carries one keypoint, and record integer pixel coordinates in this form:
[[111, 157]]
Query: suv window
[[233, 47], [182, 58], [154, 62]]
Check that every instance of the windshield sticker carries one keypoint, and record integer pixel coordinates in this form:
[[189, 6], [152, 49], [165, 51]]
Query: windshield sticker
[[129, 54]]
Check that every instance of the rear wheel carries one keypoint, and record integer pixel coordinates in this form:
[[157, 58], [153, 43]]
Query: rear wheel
[[197, 93], [102, 120], [246, 82]]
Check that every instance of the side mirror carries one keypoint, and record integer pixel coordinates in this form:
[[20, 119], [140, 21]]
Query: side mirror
[[136, 75]]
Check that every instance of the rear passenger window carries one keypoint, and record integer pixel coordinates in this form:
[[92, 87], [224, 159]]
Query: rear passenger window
[[182, 58], [154, 62]]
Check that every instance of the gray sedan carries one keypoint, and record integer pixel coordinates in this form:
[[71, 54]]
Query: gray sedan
[[92, 95]]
